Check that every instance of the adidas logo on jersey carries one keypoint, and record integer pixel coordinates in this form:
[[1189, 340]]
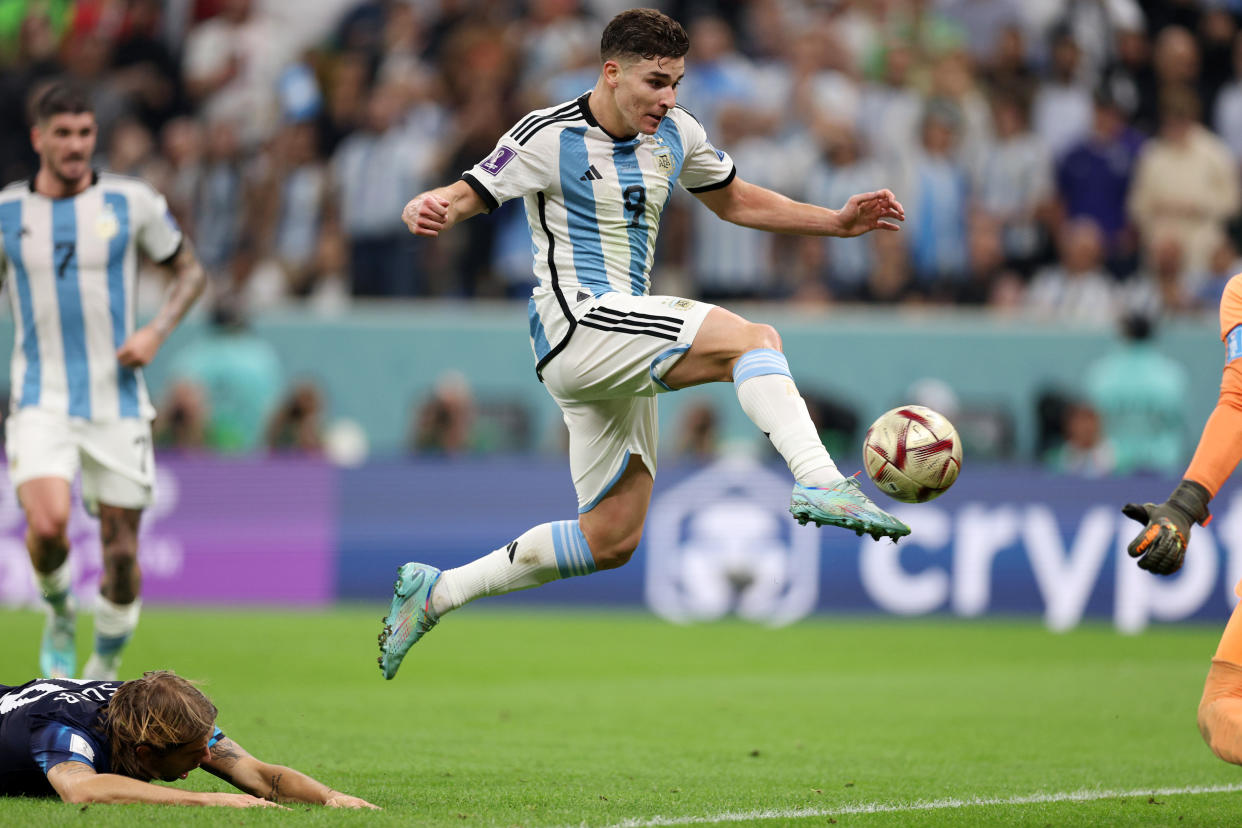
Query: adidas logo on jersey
[[591, 174]]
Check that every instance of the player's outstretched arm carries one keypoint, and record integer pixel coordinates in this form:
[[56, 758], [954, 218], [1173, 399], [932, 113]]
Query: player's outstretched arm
[[189, 279], [753, 206], [433, 212], [78, 782], [276, 783]]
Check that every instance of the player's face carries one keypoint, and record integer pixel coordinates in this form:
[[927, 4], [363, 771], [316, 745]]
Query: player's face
[[646, 90], [177, 764], [65, 144]]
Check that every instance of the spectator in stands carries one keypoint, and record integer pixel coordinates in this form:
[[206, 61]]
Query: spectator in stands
[[698, 432], [1085, 450], [1164, 287], [1093, 178], [181, 423], [1061, 110], [1077, 288], [296, 426], [1141, 396], [444, 422], [239, 375], [1013, 182], [1186, 182]]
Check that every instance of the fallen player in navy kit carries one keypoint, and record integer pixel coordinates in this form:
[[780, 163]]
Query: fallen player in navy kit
[[104, 741]]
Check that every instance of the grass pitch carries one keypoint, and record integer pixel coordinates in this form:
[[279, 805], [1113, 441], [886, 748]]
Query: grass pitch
[[550, 719]]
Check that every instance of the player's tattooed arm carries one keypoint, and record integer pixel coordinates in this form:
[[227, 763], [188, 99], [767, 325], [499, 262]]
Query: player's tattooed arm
[[275, 783], [188, 282]]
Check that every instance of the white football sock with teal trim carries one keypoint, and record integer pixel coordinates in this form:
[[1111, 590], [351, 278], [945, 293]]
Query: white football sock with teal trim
[[766, 390], [55, 588], [548, 552]]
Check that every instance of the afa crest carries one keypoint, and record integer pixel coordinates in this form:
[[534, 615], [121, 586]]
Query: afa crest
[[107, 225], [663, 160]]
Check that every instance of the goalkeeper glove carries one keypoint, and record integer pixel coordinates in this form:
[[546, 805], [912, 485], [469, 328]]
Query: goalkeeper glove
[[1161, 546]]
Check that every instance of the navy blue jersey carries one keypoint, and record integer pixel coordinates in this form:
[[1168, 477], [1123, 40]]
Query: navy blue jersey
[[48, 721]]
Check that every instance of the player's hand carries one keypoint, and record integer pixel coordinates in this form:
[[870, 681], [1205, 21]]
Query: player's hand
[[426, 214], [139, 348], [341, 800], [869, 211], [1161, 546]]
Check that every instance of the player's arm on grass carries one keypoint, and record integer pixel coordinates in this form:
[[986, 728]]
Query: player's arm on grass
[[188, 281], [276, 783], [750, 205], [78, 782], [433, 212]]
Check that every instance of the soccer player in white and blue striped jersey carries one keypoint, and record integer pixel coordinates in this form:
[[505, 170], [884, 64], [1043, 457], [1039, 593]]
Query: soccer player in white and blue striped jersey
[[70, 239], [595, 174]]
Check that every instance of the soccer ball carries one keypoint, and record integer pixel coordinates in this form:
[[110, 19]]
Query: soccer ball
[[912, 454]]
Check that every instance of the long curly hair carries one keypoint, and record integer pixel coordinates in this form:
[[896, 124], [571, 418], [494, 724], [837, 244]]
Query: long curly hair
[[160, 710]]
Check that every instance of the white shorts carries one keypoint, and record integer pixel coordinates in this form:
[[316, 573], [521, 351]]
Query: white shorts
[[606, 379], [115, 456]]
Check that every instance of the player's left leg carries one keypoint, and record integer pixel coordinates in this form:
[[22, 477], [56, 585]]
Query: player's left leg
[[1220, 708], [727, 347], [118, 607], [118, 483]]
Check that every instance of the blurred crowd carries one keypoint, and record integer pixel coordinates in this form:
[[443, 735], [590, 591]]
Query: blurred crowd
[[1076, 158]]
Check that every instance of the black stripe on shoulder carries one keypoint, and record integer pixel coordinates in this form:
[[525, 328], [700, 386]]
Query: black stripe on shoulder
[[489, 200], [719, 184], [688, 112], [168, 260], [564, 119], [531, 121]]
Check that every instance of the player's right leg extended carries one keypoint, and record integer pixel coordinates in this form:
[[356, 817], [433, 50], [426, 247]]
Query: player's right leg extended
[[46, 503], [727, 346]]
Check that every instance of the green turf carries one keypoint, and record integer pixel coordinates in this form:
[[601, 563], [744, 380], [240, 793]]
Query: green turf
[[552, 719]]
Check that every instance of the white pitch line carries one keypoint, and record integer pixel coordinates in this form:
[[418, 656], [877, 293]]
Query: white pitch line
[[919, 805]]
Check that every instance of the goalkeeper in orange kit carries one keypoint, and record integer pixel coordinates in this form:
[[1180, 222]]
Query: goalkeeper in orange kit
[[1161, 546]]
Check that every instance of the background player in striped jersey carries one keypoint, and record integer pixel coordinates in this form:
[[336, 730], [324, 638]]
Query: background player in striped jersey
[[1161, 545], [595, 174], [69, 245], [102, 741]]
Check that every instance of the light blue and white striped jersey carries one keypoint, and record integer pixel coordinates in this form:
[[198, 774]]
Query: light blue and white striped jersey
[[71, 265], [593, 202]]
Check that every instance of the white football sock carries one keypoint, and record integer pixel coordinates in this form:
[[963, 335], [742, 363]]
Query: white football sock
[[766, 390], [55, 587], [548, 552], [114, 624]]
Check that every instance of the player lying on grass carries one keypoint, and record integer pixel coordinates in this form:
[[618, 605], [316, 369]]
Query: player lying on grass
[[103, 741], [1161, 546], [595, 174]]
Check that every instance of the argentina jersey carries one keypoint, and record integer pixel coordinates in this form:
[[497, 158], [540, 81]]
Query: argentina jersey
[[71, 266], [593, 203]]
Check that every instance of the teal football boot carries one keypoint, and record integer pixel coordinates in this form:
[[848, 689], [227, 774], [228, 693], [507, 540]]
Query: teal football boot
[[410, 616], [844, 505], [58, 656]]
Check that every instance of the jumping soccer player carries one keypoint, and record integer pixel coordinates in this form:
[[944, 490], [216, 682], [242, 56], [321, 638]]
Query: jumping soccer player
[[595, 174], [103, 741], [69, 244], [1161, 546]]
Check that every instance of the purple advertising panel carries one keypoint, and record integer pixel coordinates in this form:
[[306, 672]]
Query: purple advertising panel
[[221, 532]]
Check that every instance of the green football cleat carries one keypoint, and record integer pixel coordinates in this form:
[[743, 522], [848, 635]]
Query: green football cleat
[[410, 616], [58, 657], [846, 506]]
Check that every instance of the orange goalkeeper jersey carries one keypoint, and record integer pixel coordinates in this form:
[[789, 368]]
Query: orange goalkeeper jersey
[[1220, 446]]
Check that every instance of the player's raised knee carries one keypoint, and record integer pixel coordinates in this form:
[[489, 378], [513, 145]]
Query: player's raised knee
[[759, 335], [1220, 724], [615, 550]]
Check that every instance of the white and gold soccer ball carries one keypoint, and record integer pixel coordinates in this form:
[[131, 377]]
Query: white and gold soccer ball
[[912, 453]]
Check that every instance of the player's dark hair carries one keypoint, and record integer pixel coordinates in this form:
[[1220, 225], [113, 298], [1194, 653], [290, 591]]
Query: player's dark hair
[[643, 34], [58, 98], [160, 710]]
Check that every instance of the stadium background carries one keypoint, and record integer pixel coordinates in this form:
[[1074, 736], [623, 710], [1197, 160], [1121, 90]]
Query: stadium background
[[347, 397]]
